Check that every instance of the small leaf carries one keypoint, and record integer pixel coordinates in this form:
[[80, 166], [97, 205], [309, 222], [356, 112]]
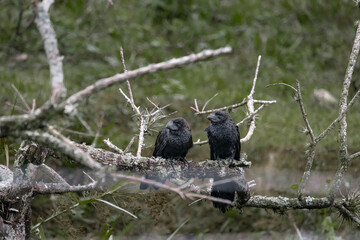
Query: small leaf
[[328, 181], [294, 186]]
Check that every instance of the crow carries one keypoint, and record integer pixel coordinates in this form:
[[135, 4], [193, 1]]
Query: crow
[[172, 143], [224, 141]]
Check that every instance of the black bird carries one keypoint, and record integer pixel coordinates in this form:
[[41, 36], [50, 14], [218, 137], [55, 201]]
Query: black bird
[[224, 141], [173, 143]]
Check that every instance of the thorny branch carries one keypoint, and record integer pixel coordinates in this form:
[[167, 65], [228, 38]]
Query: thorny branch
[[311, 149], [146, 118], [343, 149], [249, 101]]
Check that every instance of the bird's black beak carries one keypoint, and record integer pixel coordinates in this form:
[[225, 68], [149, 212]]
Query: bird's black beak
[[212, 117], [170, 125]]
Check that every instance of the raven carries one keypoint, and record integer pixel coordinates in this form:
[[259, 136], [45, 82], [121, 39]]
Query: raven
[[224, 141], [173, 142]]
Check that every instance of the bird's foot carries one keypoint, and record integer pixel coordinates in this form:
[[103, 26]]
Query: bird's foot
[[172, 164], [231, 163], [218, 161], [185, 161]]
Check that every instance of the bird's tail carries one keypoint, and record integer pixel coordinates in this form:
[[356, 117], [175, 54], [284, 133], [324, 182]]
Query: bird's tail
[[227, 191]]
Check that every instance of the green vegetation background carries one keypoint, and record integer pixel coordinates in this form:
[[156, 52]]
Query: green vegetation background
[[305, 40]]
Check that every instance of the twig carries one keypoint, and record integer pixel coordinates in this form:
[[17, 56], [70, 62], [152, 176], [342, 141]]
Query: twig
[[250, 104], [21, 97], [353, 156], [47, 188], [338, 119], [302, 108], [141, 136], [65, 147], [53, 174], [250, 116], [182, 194], [130, 144], [112, 146], [121, 77], [33, 105], [93, 180], [9, 125], [284, 84], [84, 123], [6, 149], [207, 102]]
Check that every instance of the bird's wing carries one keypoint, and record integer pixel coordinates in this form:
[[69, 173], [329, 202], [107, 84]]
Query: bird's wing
[[160, 143], [211, 144], [237, 144]]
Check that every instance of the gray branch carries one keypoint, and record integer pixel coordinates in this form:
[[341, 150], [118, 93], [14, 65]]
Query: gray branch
[[343, 150], [152, 68], [48, 35], [65, 148]]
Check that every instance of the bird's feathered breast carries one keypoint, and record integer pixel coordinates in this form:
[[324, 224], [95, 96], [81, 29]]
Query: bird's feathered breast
[[173, 144], [224, 140]]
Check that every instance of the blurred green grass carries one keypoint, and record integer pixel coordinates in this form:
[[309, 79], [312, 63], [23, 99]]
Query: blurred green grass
[[305, 40]]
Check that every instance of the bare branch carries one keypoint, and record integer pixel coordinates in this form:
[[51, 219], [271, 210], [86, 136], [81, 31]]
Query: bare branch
[[338, 119], [167, 187], [52, 188], [48, 35], [112, 146], [131, 99], [302, 108], [199, 142], [353, 156], [284, 84], [310, 154], [207, 102], [37, 119], [53, 174], [141, 136], [21, 97], [121, 77], [65, 147], [284, 203], [250, 104], [343, 150], [129, 145], [250, 116], [162, 167]]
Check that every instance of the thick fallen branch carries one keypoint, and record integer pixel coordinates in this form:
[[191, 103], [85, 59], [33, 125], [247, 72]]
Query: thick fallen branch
[[161, 167]]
